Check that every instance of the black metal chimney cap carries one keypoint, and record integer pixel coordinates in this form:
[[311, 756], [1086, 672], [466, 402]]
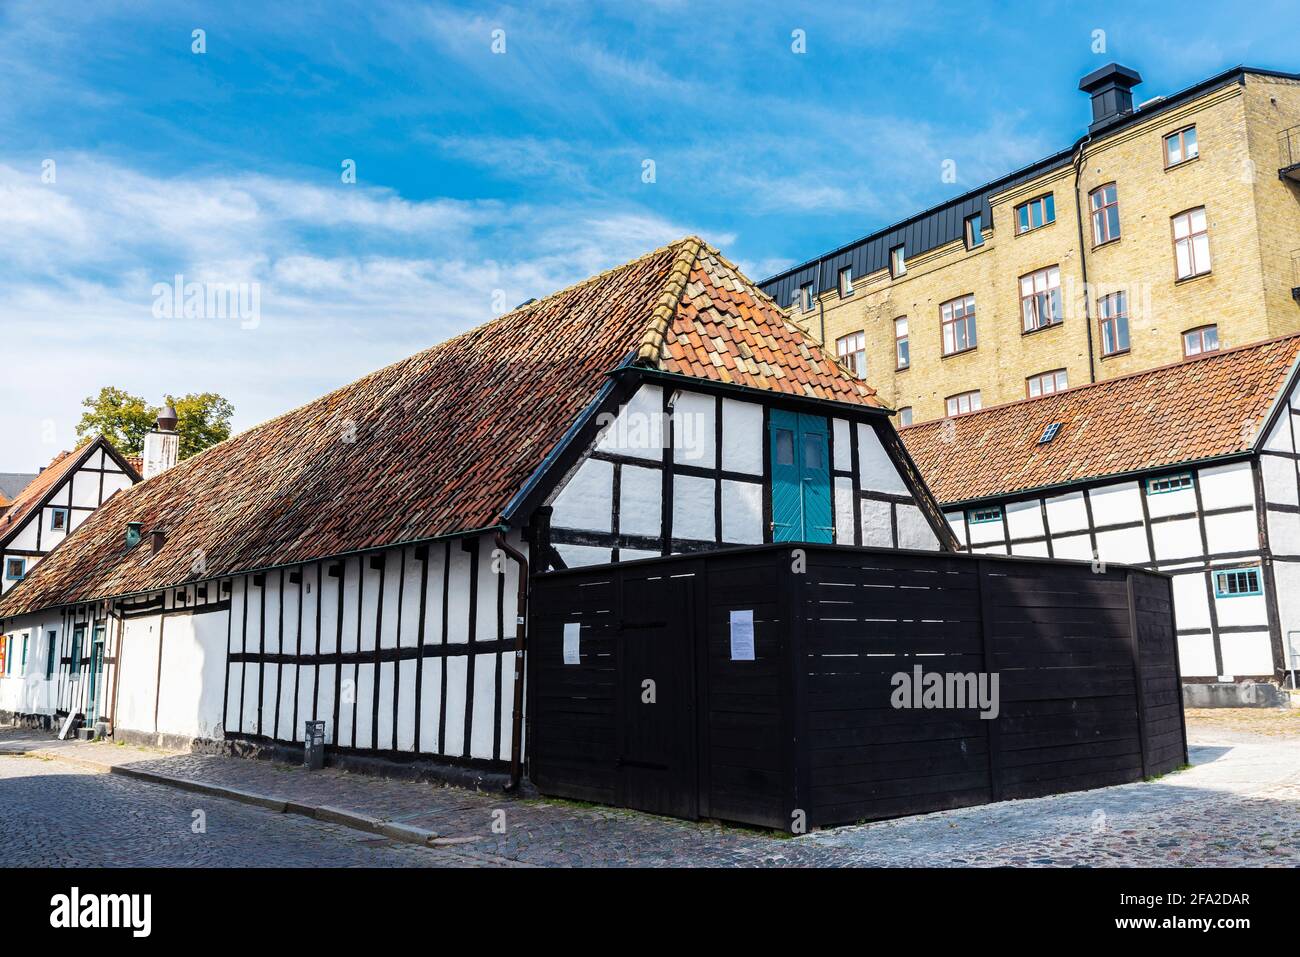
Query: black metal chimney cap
[[1111, 73], [167, 419]]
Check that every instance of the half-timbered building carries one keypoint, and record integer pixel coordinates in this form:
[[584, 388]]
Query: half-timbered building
[[363, 560], [1189, 469]]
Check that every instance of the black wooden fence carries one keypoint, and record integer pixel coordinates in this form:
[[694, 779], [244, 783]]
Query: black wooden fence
[[658, 714]]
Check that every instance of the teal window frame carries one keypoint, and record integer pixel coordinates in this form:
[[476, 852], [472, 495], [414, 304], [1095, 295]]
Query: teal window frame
[[1151, 483], [22, 665], [67, 517], [22, 569], [51, 655], [984, 516], [78, 636], [1255, 581]]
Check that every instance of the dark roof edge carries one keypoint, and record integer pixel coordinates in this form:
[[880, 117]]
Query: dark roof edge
[[1047, 163], [1035, 491]]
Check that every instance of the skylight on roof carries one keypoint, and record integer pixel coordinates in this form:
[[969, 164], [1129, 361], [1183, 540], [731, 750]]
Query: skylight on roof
[[1050, 433]]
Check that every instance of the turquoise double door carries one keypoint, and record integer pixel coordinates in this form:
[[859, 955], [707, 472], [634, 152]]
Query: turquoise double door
[[801, 478]]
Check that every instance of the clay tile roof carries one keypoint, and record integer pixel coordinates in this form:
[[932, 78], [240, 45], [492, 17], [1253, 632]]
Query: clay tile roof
[[439, 443], [33, 493], [1202, 408]]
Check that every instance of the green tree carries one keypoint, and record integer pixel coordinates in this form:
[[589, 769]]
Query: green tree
[[202, 419], [117, 415]]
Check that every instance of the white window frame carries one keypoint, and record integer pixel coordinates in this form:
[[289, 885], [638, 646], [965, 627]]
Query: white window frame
[[953, 403]]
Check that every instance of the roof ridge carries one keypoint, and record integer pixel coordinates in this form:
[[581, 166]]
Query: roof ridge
[[1217, 354], [648, 352], [792, 326]]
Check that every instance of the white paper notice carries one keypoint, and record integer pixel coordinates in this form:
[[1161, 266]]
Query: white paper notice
[[571, 643], [742, 635]]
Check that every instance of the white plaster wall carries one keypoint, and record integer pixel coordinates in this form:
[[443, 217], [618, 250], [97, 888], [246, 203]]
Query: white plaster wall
[[1024, 519], [193, 672], [914, 530], [1067, 513], [742, 513], [844, 493], [840, 434], [1247, 654], [587, 500], [742, 437], [1191, 601], [1241, 610], [983, 533], [877, 524], [695, 435], [576, 556], [1223, 486], [1124, 545], [1074, 547], [637, 429], [1286, 575], [1116, 504], [138, 677], [1179, 502], [640, 509], [693, 507], [1180, 538], [1279, 479], [876, 469], [1237, 532], [1196, 656]]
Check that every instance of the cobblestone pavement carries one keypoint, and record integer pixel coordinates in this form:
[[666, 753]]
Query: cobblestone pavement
[[1238, 805]]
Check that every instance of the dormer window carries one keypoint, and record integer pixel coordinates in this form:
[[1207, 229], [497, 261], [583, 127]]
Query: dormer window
[[897, 262], [846, 282]]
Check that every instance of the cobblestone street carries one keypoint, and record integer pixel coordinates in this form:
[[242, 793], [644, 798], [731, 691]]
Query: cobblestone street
[[1238, 805]]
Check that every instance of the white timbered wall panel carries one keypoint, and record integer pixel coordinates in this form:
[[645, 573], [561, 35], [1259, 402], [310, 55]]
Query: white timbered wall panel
[[1190, 532]]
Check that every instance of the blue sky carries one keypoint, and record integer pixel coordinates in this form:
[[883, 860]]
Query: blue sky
[[485, 178]]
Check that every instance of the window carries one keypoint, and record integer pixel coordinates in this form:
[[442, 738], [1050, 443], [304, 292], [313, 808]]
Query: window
[[6, 654], [846, 282], [50, 655], [1191, 243], [1040, 298], [957, 317], [897, 262], [1045, 383], [58, 519], [1181, 147], [1035, 213], [963, 402], [784, 447], [1204, 339], [15, 568], [974, 231], [852, 352], [902, 353], [1112, 313], [1052, 431], [22, 667], [79, 632], [1104, 203], [904, 416], [978, 516], [1169, 483], [804, 298], [1236, 582]]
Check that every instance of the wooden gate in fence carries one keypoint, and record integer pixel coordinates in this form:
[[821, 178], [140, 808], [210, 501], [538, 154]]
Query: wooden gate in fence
[[643, 690]]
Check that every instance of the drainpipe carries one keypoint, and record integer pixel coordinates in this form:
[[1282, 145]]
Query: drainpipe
[[521, 622], [1083, 254]]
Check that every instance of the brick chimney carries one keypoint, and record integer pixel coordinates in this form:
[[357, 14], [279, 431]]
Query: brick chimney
[[161, 444], [1111, 89]]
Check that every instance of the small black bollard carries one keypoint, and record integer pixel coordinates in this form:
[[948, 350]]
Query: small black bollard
[[314, 753]]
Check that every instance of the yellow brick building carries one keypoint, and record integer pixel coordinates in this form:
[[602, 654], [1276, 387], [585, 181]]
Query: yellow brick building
[[1169, 229]]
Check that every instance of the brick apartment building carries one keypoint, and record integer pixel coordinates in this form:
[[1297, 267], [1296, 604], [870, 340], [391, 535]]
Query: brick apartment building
[[1169, 229]]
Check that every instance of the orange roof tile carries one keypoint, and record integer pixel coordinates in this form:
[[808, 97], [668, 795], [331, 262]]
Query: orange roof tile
[[1202, 408]]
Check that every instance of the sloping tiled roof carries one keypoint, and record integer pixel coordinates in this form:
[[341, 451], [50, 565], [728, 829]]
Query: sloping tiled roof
[[34, 492], [11, 483], [438, 443], [1201, 408]]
